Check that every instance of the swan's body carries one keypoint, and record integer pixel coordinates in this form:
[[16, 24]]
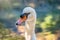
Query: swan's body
[[30, 24]]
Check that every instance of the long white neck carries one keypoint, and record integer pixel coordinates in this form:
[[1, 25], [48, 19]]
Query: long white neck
[[30, 23], [30, 28]]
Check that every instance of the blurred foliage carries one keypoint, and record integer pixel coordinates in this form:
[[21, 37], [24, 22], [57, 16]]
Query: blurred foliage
[[55, 27], [50, 23], [5, 34]]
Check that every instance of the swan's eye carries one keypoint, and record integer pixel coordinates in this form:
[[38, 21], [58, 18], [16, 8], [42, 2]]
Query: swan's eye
[[21, 16]]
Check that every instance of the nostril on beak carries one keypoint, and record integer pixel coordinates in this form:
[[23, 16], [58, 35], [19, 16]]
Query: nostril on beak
[[16, 23]]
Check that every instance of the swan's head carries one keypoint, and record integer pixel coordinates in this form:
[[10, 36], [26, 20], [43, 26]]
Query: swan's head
[[27, 13]]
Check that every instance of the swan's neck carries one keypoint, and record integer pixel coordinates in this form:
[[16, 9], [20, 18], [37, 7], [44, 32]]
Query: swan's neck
[[30, 25], [30, 33]]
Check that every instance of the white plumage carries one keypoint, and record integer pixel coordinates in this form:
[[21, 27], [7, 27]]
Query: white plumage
[[30, 23]]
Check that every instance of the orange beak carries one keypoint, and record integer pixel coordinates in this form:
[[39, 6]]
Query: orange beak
[[21, 20]]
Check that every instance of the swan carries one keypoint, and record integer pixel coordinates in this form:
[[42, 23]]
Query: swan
[[29, 17]]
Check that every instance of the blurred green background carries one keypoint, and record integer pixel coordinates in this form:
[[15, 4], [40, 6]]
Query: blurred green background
[[48, 16]]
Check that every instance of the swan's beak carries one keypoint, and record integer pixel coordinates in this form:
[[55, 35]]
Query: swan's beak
[[21, 20]]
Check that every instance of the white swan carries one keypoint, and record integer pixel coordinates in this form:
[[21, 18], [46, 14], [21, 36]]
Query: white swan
[[29, 17]]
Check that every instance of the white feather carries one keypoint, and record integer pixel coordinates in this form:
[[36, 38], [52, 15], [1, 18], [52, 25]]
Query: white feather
[[30, 24]]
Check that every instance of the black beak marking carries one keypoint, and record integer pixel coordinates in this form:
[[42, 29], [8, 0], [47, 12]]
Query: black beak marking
[[25, 14]]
